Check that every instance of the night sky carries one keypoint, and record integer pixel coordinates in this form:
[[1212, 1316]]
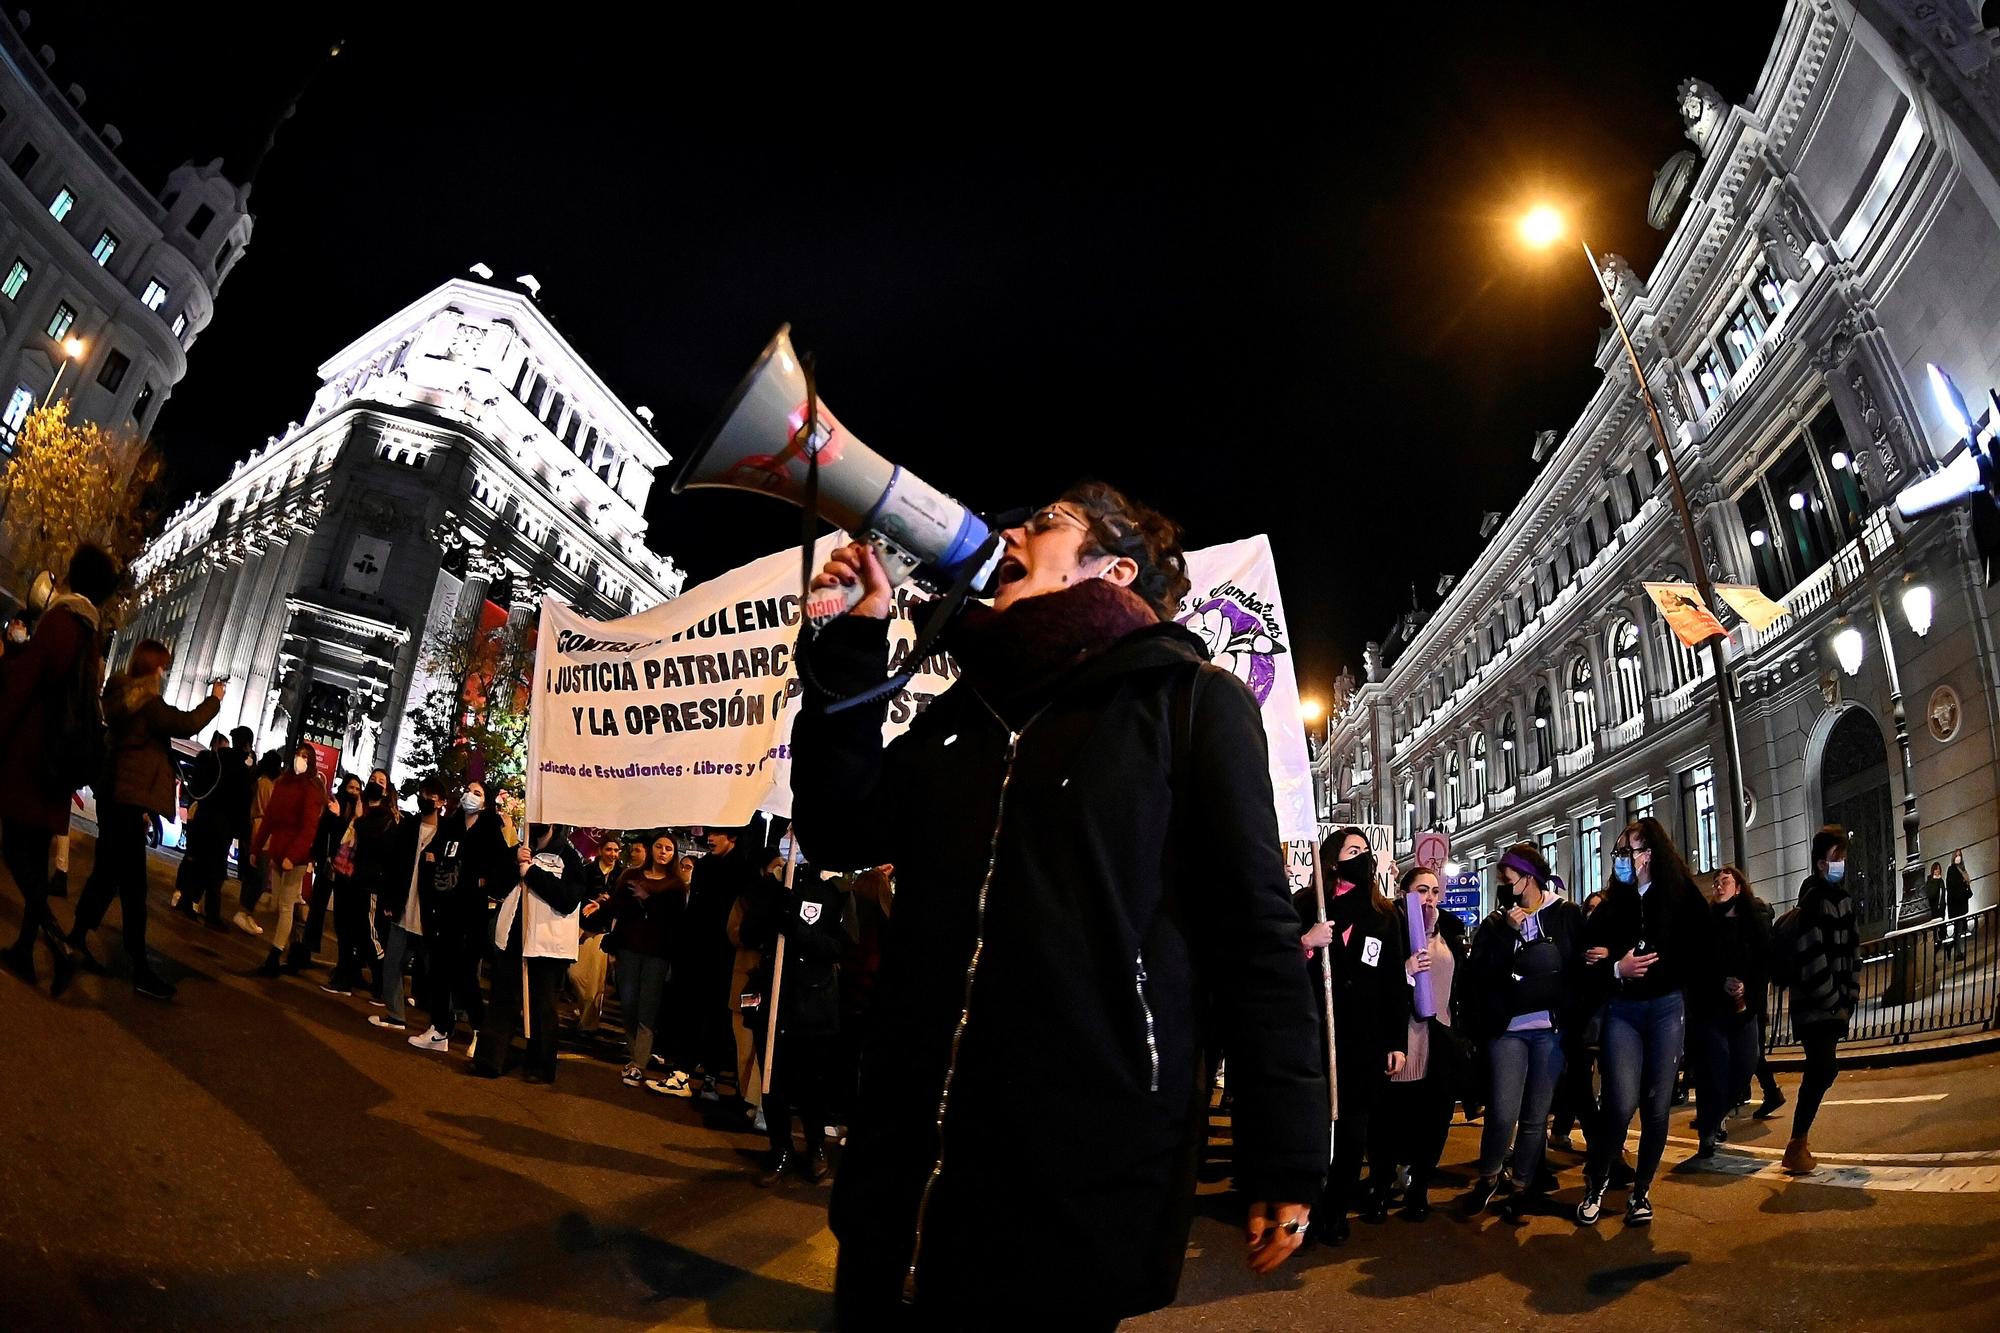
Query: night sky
[[1260, 276]]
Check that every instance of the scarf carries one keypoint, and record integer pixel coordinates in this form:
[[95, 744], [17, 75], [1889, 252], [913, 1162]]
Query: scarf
[[1014, 657]]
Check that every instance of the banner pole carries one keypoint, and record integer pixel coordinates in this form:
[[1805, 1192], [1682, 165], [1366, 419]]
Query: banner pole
[[1326, 993], [778, 970]]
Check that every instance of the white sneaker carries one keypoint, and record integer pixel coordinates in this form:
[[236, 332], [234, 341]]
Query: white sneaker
[[243, 922], [673, 1085], [384, 1021], [430, 1039]]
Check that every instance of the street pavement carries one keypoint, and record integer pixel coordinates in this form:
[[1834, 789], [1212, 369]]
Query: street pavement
[[256, 1155]]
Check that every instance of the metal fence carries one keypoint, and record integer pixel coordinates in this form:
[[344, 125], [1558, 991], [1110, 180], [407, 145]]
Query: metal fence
[[1931, 980]]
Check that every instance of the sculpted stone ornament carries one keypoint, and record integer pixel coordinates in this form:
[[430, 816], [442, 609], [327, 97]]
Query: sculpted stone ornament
[[1702, 110]]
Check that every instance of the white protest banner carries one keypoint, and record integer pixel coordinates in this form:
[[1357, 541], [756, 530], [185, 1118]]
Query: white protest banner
[[682, 713], [1234, 606]]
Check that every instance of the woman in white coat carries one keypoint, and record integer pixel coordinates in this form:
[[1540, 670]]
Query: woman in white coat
[[534, 943]]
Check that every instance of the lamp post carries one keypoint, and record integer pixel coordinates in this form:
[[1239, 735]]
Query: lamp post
[[1541, 228], [72, 351]]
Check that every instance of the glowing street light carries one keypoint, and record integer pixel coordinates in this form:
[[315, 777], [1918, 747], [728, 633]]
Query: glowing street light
[[73, 349], [1310, 710], [1542, 227], [1847, 647], [1917, 607]]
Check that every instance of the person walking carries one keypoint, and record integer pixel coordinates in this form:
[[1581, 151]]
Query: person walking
[[354, 898], [138, 783], [333, 873], [1575, 1102], [408, 896], [1729, 1012], [51, 730], [1042, 816], [473, 859], [1417, 1106], [1654, 937], [647, 908], [587, 974], [1958, 900], [252, 875], [806, 921], [747, 1017], [534, 943], [284, 839], [1823, 947], [1524, 982]]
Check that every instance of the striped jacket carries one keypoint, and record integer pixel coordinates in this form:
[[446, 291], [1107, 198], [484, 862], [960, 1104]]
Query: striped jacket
[[1829, 982]]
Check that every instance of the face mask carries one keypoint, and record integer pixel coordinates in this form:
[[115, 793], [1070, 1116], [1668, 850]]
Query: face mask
[[1621, 869], [1836, 871], [300, 764], [1358, 869], [472, 803]]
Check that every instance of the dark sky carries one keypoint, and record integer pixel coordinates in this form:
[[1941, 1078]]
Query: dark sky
[[1257, 275]]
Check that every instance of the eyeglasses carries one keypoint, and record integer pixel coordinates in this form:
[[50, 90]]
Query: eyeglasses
[[1630, 851], [1050, 518]]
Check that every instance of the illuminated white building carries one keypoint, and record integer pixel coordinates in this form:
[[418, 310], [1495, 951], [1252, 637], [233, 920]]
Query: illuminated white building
[[458, 460], [1829, 237], [89, 254]]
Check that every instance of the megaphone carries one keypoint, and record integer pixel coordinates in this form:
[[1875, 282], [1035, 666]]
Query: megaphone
[[763, 442]]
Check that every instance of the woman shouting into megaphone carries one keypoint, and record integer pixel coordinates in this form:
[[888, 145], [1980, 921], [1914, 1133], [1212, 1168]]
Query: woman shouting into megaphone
[[1091, 905]]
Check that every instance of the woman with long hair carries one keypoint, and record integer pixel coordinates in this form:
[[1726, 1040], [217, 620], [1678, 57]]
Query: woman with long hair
[[1523, 982], [647, 907], [1654, 937], [1416, 1107], [1729, 1010], [1371, 1019]]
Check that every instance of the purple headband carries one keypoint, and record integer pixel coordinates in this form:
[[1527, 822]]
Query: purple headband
[[1520, 865]]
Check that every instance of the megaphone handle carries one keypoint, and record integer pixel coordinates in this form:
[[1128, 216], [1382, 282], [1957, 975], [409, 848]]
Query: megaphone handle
[[830, 603]]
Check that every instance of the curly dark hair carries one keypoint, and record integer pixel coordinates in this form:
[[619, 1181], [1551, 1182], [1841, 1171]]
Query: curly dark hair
[[1121, 526]]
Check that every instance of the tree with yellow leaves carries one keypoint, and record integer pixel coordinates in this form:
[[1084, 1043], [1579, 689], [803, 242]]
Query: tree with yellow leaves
[[68, 484]]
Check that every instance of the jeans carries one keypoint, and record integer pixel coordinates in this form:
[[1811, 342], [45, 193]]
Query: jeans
[[1728, 1049], [1821, 1041], [120, 870], [396, 953], [1642, 1049], [1522, 1069], [641, 979]]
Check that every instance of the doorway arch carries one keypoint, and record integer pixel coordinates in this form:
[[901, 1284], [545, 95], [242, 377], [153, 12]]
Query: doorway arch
[[1851, 768]]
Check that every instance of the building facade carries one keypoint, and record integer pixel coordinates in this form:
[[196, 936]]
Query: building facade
[[90, 257], [1837, 231], [459, 460]]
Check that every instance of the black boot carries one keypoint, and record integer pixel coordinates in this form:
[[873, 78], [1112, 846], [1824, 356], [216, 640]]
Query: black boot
[[271, 965], [65, 969], [1374, 1202], [296, 958], [1417, 1198], [781, 1162], [79, 943]]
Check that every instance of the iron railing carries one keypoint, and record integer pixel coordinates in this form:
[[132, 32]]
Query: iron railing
[[1931, 980]]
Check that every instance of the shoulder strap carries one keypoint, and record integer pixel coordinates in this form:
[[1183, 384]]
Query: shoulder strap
[[1187, 690]]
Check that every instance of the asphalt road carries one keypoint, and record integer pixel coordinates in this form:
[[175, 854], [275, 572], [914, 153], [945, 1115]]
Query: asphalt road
[[255, 1155]]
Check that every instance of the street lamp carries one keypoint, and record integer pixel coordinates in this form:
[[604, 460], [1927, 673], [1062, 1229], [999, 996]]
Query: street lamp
[[1309, 711], [1540, 228], [72, 351], [1917, 607], [1847, 647]]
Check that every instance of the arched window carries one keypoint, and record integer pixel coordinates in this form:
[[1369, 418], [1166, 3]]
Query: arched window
[[1510, 754], [1453, 788], [1544, 719], [1431, 797], [1478, 767], [1628, 681], [1407, 814], [1582, 701]]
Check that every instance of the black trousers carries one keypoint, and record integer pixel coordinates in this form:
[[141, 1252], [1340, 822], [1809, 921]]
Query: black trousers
[[801, 1081], [120, 872], [249, 876], [1575, 1103], [25, 849], [451, 977], [1360, 1098], [204, 865], [350, 929], [1412, 1128], [503, 1016], [1821, 1042]]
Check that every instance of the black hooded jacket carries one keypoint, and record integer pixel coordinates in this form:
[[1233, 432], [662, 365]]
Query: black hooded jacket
[[1120, 935]]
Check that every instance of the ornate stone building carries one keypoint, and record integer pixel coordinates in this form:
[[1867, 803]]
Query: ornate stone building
[[1831, 235], [458, 460], [89, 254]]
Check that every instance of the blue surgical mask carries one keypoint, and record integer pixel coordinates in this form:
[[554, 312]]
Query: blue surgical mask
[[1836, 871], [1621, 869]]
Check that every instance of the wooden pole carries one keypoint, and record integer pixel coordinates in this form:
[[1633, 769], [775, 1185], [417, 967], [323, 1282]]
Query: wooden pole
[[778, 971], [1326, 991]]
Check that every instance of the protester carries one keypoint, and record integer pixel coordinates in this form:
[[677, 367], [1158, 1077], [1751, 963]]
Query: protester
[[473, 860], [698, 997], [333, 862], [50, 729], [1727, 1025], [1523, 981], [746, 1018], [534, 942], [1576, 1091], [354, 896], [138, 783], [1653, 935], [205, 856], [408, 896], [1371, 1013], [1416, 1108], [587, 974], [1822, 947], [1090, 961], [1958, 899], [284, 838], [251, 870], [806, 921], [870, 900], [647, 907]]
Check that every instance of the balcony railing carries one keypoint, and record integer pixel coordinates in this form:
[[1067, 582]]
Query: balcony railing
[[1617, 737], [1534, 783], [1930, 980], [1573, 763], [1815, 591]]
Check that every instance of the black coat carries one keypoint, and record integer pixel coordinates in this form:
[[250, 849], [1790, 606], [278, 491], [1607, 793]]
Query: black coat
[[1071, 1137], [1503, 981], [809, 916], [1743, 951], [1957, 889], [1674, 923], [473, 866], [392, 868], [1371, 991]]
